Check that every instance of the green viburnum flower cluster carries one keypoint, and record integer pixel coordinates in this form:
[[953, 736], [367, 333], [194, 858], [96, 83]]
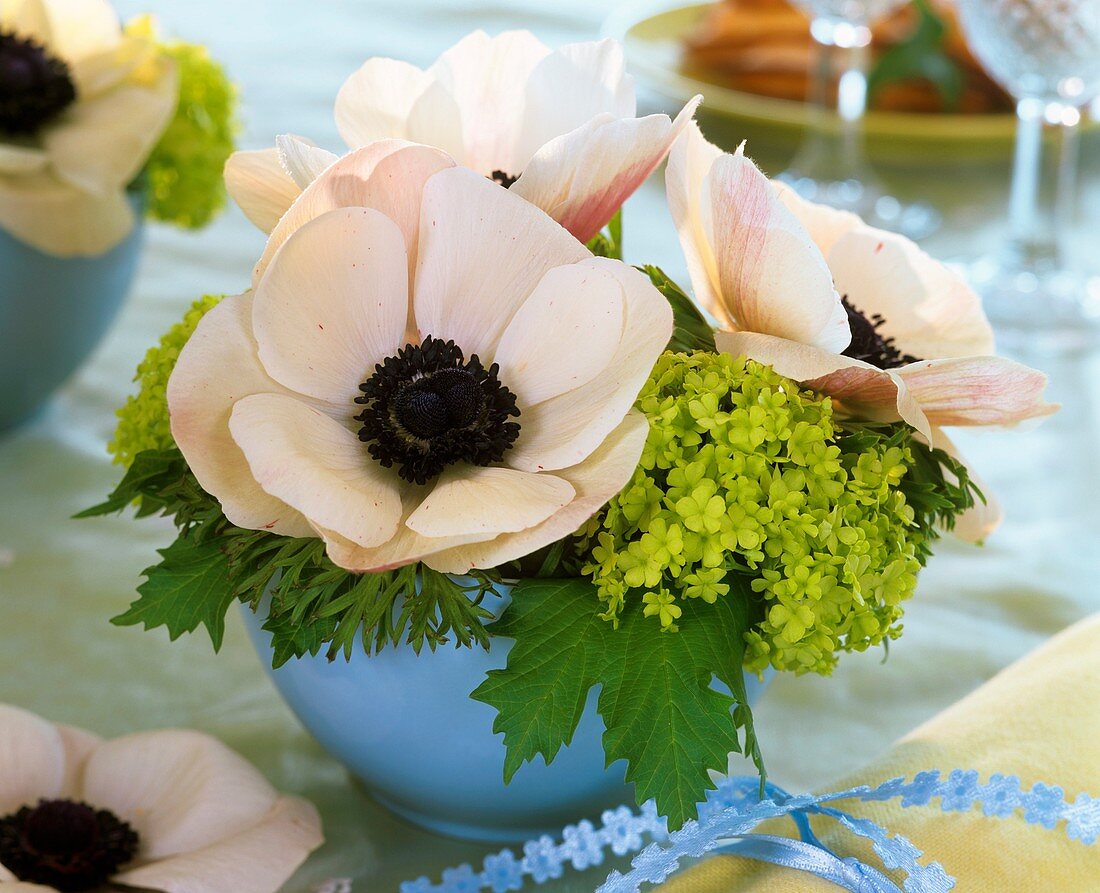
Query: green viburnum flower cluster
[[143, 420], [183, 176], [744, 472]]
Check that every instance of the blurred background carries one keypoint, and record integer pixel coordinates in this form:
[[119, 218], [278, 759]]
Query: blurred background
[[937, 142]]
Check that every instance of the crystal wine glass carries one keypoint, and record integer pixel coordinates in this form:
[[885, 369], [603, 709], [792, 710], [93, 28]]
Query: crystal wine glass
[[830, 166], [1046, 53]]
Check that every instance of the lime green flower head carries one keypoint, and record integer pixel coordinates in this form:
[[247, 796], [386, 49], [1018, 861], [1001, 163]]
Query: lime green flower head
[[143, 420], [183, 176], [745, 474]]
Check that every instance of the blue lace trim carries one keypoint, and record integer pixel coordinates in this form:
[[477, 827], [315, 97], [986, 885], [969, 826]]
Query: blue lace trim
[[735, 808]]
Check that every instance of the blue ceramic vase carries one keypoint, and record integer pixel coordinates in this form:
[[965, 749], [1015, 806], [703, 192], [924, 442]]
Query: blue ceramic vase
[[54, 311], [406, 727]]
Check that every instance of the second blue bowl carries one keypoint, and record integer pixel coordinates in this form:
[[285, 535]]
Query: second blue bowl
[[54, 311]]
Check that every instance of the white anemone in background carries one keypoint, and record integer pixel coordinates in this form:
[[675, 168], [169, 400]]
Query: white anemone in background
[[176, 811], [854, 312], [82, 105], [556, 126], [429, 367]]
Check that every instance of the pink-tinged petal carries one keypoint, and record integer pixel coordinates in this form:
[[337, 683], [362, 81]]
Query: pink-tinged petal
[[689, 163], [258, 859], [564, 335], [581, 179], [314, 464], [99, 145], [61, 220], [387, 176], [596, 480], [435, 120], [825, 225], [375, 102], [976, 524], [333, 304], [32, 759], [862, 389], [487, 77], [468, 501], [405, 547], [78, 745], [772, 278], [259, 184], [565, 430], [483, 251], [218, 366], [303, 160], [977, 391], [388, 99], [181, 790], [929, 310], [570, 87]]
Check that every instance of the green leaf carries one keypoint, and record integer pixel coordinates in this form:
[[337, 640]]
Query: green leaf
[[149, 472], [190, 586], [657, 701], [734, 620], [691, 331], [291, 640], [609, 243], [921, 56], [557, 657], [615, 232], [662, 715]]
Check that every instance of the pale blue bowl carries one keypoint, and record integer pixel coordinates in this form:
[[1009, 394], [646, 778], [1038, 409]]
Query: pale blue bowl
[[406, 727], [54, 311]]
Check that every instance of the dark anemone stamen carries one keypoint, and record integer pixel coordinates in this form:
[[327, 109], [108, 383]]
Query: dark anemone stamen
[[69, 846], [505, 180], [869, 344], [429, 407], [35, 87]]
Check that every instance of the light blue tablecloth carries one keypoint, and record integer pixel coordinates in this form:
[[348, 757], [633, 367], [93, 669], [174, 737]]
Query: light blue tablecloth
[[60, 580]]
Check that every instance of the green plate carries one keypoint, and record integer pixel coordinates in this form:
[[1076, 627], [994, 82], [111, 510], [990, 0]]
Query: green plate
[[653, 33]]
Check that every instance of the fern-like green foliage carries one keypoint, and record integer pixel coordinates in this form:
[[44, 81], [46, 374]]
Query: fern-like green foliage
[[183, 176], [314, 603]]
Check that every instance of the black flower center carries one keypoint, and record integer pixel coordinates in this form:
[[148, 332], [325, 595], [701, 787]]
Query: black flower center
[[505, 180], [66, 845], [35, 87], [869, 344], [429, 407]]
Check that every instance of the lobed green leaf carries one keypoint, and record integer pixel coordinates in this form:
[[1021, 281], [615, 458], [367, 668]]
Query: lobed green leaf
[[662, 714]]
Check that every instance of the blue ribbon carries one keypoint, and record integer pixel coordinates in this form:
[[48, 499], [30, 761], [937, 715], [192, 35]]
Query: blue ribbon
[[808, 854], [728, 817]]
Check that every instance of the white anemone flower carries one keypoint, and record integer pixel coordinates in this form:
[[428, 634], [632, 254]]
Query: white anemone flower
[[81, 107], [855, 312], [557, 127], [175, 811], [429, 368]]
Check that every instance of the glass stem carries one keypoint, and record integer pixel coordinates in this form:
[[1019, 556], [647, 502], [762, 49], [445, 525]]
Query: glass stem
[[1043, 182], [835, 154]]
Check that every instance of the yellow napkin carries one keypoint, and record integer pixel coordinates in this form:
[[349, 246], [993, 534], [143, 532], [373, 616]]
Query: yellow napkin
[[1038, 720]]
